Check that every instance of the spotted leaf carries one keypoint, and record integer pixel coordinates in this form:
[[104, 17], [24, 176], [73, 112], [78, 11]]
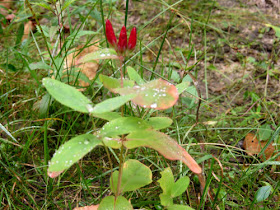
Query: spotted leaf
[[67, 95], [70, 152], [163, 144], [100, 54], [157, 94], [123, 125], [112, 83]]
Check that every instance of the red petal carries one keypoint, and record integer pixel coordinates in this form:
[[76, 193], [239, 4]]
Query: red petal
[[110, 34], [132, 39], [122, 45]]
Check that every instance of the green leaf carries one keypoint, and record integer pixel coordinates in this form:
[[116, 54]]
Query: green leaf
[[67, 95], [70, 152], [179, 207], [106, 53], [263, 193], [123, 125], [107, 115], [109, 203], [43, 104], [44, 5], [157, 94], [276, 29], [166, 200], [133, 75], [180, 186], [112, 83], [159, 122], [182, 86], [67, 4], [265, 132], [135, 175], [20, 33], [163, 144], [166, 181], [39, 65], [112, 142], [110, 104]]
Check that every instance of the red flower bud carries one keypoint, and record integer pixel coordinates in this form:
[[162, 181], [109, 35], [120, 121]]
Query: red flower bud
[[110, 34], [122, 44], [132, 39]]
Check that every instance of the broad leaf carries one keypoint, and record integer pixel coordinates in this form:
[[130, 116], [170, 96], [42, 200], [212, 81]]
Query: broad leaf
[[159, 122], [157, 94], [180, 186], [164, 145], [110, 104], [123, 125], [166, 181], [67, 95], [135, 175], [112, 83], [182, 86], [70, 152], [179, 207], [133, 75], [112, 142], [109, 203], [263, 193], [106, 53], [106, 115], [166, 200]]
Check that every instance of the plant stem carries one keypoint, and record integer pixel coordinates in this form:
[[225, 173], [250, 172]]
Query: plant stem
[[122, 138]]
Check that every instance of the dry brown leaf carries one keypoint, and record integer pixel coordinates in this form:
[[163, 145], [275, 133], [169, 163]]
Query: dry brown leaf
[[93, 207], [27, 28], [7, 4], [75, 59], [253, 147]]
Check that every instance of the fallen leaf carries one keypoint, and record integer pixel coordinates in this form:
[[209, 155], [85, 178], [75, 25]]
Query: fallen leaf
[[253, 147], [93, 207], [27, 28], [74, 59]]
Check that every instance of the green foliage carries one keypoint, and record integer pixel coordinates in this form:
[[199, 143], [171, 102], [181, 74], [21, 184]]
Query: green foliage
[[135, 175], [67, 95], [110, 202], [72, 151], [172, 189], [157, 94]]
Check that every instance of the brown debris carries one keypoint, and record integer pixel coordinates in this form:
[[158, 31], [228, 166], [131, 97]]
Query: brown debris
[[253, 147]]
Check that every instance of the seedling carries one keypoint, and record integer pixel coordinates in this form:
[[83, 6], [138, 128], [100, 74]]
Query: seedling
[[124, 132]]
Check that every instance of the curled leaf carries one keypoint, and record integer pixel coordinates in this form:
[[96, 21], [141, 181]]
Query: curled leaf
[[164, 145]]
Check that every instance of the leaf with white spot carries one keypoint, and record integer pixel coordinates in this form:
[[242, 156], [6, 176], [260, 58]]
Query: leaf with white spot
[[111, 83], [163, 144], [157, 94], [70, 152], [67, 95], [106, 53], [124, 125]]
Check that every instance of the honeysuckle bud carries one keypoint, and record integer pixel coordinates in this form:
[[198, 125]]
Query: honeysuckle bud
[[110, 34], [132, 39], [122, 44]]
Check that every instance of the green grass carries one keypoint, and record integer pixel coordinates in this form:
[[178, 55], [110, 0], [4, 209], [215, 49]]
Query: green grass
[[239, 95]]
